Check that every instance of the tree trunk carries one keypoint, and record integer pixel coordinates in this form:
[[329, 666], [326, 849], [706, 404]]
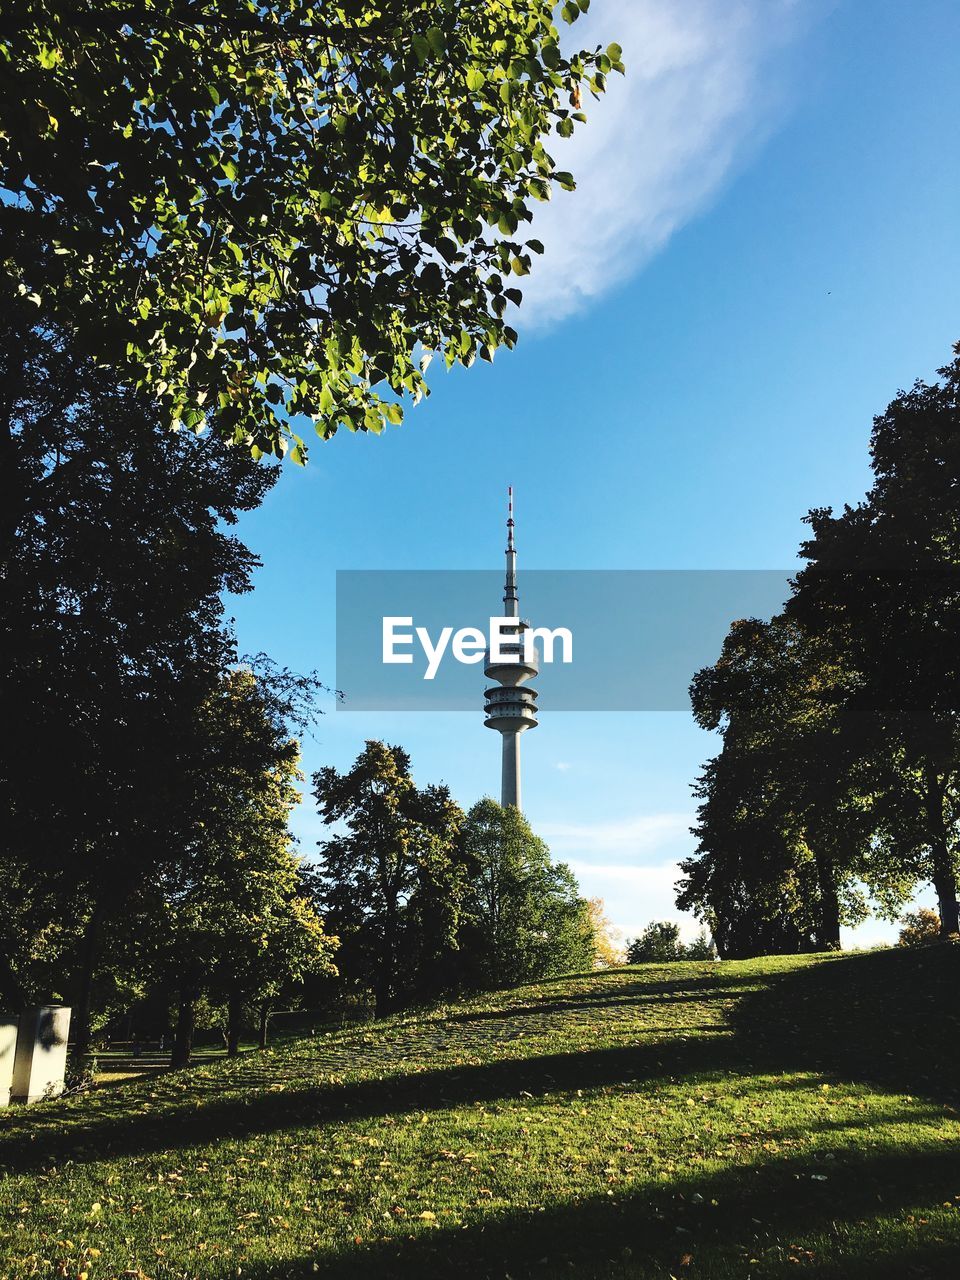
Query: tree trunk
[[945, 883], [943, 875], [719, 933], [382, 998], [384, 992], [186, 1022], [828, 923], [264, 1025], [234, 1024], [84, 1005]]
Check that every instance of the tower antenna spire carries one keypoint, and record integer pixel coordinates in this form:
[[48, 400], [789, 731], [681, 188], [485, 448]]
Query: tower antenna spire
[[510, 600]]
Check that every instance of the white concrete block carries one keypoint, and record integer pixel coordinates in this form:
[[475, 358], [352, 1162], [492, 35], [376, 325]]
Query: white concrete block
[[41, 1058], [8, 1049]]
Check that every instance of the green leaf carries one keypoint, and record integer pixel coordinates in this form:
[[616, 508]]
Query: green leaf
[[565, 128], [614, 52], [565, 180], [219, 314], [393, 414], [447, 249]]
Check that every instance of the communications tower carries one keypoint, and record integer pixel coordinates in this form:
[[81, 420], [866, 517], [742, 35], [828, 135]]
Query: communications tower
[[511, 708]]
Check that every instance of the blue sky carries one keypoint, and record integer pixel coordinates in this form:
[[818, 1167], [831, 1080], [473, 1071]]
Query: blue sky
[[763, 248]]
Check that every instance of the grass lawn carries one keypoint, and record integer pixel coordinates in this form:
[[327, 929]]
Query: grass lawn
[[782, 1117], [114, 1065]]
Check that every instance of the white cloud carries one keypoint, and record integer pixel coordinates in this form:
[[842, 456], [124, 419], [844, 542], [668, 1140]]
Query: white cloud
[[634, 895], [563, 766], [632, 863], [632, 836], [700, 94]]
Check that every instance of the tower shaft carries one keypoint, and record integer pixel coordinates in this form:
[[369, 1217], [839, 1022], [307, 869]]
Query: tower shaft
[[510, 770]]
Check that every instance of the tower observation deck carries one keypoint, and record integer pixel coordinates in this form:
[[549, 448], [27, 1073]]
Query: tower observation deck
[[510, 707]]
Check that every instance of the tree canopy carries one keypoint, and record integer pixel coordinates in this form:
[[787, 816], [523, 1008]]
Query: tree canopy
[[272, 214], [783, 818], [115, 549], [391, 883], [145, 781], [525, 919], [840, 766], [882, 589], [659, 941]]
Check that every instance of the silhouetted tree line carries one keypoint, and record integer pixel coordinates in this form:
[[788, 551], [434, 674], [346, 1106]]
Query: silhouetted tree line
[[837, 788], [148, 876]]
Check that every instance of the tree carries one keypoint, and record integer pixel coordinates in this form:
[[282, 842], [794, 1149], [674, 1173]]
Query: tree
[[390, 884], [237, 921], [115, 550], [659, 941], [261, 213], [701, 948], [526, 919], [785, 819], [607, 938], [746, 881], [919, 928], [840, 720], [430, 950], [881, 588]]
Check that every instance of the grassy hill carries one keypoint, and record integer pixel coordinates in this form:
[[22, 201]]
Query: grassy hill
[[785, 1117]]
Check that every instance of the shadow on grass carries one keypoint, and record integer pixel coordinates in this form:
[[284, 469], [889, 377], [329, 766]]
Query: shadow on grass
[[663, 993], [191, 1108], [117, 1127], [676, 1229], [889, 1017]]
